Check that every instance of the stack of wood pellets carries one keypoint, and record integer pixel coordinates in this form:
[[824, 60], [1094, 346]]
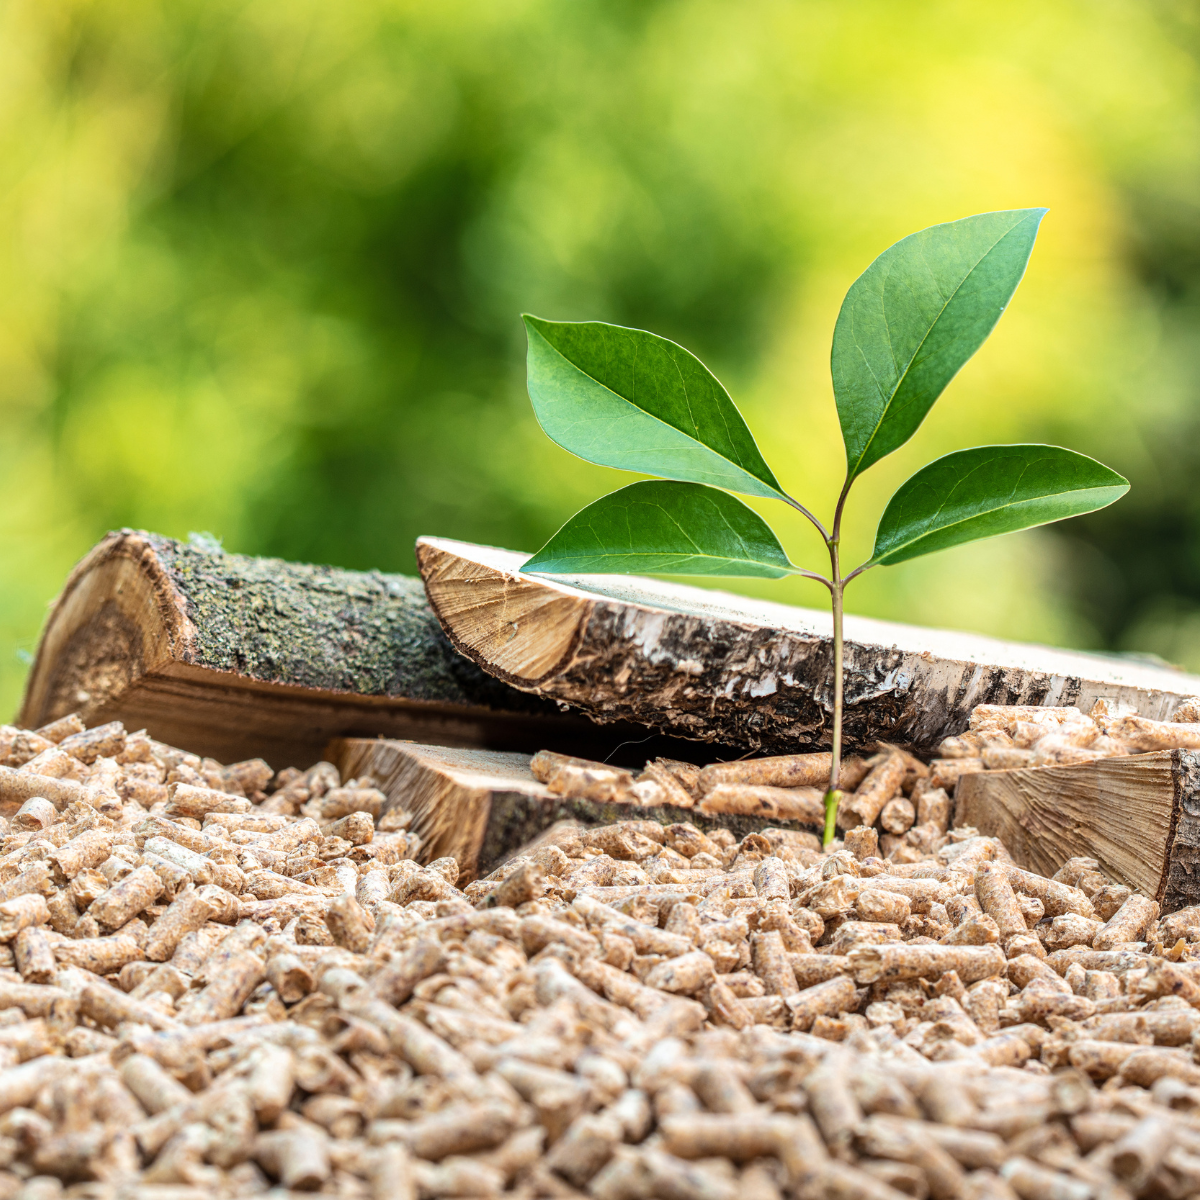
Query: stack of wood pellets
[[223, 982]]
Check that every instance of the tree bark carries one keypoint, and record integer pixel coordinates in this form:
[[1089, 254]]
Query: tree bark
[[1138, 816], [241, 657], [481, 806], [712, 666]]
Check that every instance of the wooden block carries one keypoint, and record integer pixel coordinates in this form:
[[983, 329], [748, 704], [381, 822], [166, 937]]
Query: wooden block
[[480, 806], [713, 666], [1139, 817], [241, 657]]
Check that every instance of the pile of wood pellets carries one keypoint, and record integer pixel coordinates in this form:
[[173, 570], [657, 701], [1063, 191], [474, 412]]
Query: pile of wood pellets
[[219, 981], [1006, 737]]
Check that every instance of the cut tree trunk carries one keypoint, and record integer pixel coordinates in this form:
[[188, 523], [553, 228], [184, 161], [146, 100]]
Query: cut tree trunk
[[1139, 817], [713, 666], [481, 806], [242, 657]]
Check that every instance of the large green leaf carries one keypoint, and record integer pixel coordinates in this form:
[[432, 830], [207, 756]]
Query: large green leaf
[[913, 318], [667, 529], [988, 490], [630, 399]]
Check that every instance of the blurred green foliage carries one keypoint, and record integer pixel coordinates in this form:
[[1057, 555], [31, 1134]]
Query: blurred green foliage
[[261, 265]]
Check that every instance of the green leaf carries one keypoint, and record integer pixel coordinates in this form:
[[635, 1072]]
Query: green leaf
[[665, 529], [988, 490], [630, 399], [913, 318]]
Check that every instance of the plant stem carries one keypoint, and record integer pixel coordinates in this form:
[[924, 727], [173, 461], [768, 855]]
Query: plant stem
[[833, 796], [837, 591]]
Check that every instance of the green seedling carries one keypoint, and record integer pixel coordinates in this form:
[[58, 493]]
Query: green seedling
[[630, 399]]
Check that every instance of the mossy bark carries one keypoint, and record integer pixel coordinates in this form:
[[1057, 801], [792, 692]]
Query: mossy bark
[[236, 656]]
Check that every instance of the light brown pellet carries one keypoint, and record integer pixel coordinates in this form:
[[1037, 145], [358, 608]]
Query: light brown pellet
[[126, 898], [349, 923], [834, 995], [686, 974], [1057, 897], [100, 741], [186, 913], [862, 841], [976, 930], [185, 800], [875, 904], [35, 814], [20, 913], [880, 785], [1127, 924], [64, 727], [803, 804], [772, 964], [34, 955], [109, 1008], [785, 771], [730, 1135], [16, 787], [881, 964], [997, 899], [84, 851], [100, 955], [934, 807], [898, 815], [225, 994]]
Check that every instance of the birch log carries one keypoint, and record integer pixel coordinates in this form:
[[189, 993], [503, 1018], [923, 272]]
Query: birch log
[[717, 667]]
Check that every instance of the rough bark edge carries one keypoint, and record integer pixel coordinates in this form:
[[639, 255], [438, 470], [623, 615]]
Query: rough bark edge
[[1181, 883], [690, 673]]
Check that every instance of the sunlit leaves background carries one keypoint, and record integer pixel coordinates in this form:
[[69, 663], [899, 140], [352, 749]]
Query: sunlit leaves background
[[261, 264]]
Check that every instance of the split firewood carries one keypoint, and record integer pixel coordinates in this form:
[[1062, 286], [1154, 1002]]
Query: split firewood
[[238, 656], [715, 667], [638, 1008]]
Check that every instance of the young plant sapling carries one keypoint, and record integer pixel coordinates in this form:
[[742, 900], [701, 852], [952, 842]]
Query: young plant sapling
[[630, 399]]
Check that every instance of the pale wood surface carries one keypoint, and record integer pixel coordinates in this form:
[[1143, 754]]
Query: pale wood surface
[[241, 657], [480, 806], [1119, 811], [713, 666]]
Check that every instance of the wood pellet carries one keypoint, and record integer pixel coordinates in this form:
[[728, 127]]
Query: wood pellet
[[225, 981]]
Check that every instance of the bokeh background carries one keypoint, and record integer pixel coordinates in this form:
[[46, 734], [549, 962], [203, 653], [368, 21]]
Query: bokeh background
[[261, 265]]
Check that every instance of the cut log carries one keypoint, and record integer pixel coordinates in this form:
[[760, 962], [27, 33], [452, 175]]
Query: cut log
[[1138, 817], [713, 666], [240, 657], [480, 806]]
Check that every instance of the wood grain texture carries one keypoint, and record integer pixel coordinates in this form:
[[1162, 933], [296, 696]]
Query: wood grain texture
[[713, 666], [1139, 817], [239, 657], [480, 806], [1119, 811]]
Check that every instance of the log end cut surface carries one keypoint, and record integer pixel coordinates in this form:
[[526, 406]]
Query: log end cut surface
[[1119, 811], [712, 666]]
